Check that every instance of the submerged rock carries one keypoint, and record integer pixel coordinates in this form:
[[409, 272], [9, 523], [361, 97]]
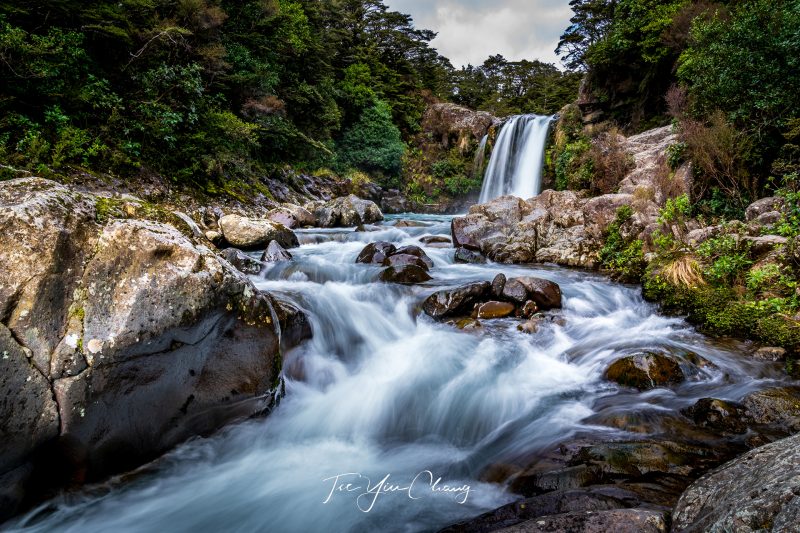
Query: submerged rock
[[435, 239], [398, 260], [376, 253], [241, 261], [455, 301], [645, 371], [718, 415], [416, 251], [493, 310], [250, 234], [406, 274], [347, 211], [468, 256], [385, 253], [755, 492], [275, 253], [778, 407]]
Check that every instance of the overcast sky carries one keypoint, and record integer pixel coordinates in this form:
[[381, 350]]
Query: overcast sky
[[472, 30]]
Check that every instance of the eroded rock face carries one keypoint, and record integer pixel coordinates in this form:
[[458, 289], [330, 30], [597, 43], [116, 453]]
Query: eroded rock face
[[275, 253], [241, 261], [123, 339], [456, 124], [347, 211], [251, 234], [755, 492]]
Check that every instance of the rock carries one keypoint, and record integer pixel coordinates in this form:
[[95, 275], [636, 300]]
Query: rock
[[537, 481], [417, 252], [376, 253], [515, 291], [768, 219], [468, 256], [545, 293], [139, 337], [619, 521], [699, 236], [764, 244], [408, 224], [755, 492], [645, 371], [406, 274], [466, 324], [295, 326], [770, 354], [529, 309], [250, 234], [778, 407], [764, 205], [493, 310], [399, 260], [530, 327], [292, 216], [435, 239], [498, 284], [454, 124], [347, 211], [470, 231], [275, 253], [718, 415], [452, 301], [215, 238], [241, 261]]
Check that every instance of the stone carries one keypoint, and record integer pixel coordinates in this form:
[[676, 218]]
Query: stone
[[545, 293], [376, 253], [764, 244], [347, 211], [769, 218], [251, 234], [451, 302], [493, 309], [498, 284], [241, 261], [645, 371], [718, 415], [275, 253], [755, 492], [618, 521], [435, 239], [463, 255], [466, 324], [764, 205], [770, 354], [294, 322], [406, 274], [529, 309], [292, 216], [408, 224], [399, 260], [515, 291], [530, 326], [777, 407], [417, 252]]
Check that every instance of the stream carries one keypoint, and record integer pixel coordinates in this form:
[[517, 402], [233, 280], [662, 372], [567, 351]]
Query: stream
[[389, 418]]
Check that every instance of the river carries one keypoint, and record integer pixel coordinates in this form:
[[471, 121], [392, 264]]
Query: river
[[382, 390]]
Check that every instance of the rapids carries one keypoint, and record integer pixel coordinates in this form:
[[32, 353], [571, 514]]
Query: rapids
[[382, 390]]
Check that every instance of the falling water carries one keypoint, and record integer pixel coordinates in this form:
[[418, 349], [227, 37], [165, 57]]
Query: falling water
[[480, 156], [516, 164]]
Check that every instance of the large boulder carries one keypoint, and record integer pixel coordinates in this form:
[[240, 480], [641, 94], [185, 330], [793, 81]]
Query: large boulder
[[121, 339], [347, 211], [275, 253], [755, 492], [376, 253], [451, 302], [251, 234], [763, 206], [645, 371], [455, 124], [242, 261], [292, 216], [545, 293], [408, 274]]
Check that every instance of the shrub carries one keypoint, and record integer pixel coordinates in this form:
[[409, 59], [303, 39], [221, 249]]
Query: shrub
[[728, 257], [373, 143], [610, 162], [623, 256]]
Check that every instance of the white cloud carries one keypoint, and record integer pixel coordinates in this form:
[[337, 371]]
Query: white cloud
[[472, 30]]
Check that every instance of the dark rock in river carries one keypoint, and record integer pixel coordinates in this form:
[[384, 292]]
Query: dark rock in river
[[275, 253], [515, 291], [545, 293], [406, 274], [498, 284], [292, 216], [399, 260], [645, 371], [468, 256], [376, 253], [241, 261], [347, 211], [493, 310], [295, 326], [778, 407], [417, 252], [455, 301], [759, 491], [717, 415], [251, 234]]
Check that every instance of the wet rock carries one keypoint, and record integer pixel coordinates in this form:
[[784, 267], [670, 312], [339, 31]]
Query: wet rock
[[435, 239], [466, 324], [468, 256], [764, 205], [645, 371], [409, 224], [451, 302], [770, 354], [755, 492], [376, 253], [398, 260], [406, 274], [498, 283], [534, 481], [275, 253], [531, 326], [776, 407], [295, 326], [529, 309], [545, 293], [250, 234], [417, 252], [292, 216], [515, 291], [469, 231], [241, 261], [618, 521], [347, 211], [493, 310], [717, 415], [215, 237]]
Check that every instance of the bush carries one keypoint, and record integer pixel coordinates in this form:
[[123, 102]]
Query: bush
[[728, 257], [623, 256], [610, 162], [373, 143]]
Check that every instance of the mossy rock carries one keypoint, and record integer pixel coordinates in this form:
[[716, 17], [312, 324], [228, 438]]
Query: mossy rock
[[645, 371]]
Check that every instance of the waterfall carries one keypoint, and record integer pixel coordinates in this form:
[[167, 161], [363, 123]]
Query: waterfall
[[515, 166], [480, 156]]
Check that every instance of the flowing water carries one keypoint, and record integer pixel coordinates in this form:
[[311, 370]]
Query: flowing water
[[383, 391], [516, 163]]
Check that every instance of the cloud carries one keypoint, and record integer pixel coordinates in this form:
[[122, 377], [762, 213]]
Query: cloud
[[472, 30]]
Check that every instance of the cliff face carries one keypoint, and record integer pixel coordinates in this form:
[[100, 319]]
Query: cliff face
[[120, 338], [454, 125]]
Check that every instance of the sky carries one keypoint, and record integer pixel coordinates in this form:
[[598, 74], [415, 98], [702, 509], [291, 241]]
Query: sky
[[472, 30]]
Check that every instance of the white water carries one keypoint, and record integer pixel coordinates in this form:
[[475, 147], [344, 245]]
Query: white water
[[516, 163], [381, 390]]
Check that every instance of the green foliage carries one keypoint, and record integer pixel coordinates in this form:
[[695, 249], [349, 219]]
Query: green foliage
[[373, 143], [728, 257], [573, 169], [623, 256], [676, 155], [676, 210], [789, 225]]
